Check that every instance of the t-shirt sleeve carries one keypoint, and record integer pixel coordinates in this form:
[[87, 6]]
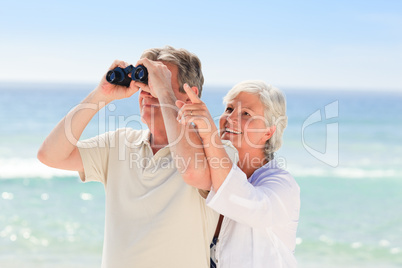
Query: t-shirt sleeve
[[95, 157]]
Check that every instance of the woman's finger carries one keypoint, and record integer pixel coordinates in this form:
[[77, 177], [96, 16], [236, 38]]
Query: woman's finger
[[191, 94], [186, 108], [180, 104]]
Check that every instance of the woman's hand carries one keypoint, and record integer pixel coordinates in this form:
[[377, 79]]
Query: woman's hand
[[196, 112]]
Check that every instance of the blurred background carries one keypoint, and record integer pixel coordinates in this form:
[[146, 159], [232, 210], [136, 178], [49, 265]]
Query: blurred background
[[339, 64]]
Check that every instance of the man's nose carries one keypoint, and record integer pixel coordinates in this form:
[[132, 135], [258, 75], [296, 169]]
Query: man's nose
[[145, 94]]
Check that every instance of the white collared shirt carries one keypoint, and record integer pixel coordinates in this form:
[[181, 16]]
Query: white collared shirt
[[261, 218]]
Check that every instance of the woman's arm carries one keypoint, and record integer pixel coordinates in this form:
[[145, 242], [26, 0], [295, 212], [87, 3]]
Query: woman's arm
[[273, 200], [214, 151]]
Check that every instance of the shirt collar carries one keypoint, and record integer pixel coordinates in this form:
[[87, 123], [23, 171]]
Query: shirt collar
[[144, 138], [273, 164]]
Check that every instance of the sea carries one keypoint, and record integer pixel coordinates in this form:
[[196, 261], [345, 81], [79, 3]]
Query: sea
[[344, 148]]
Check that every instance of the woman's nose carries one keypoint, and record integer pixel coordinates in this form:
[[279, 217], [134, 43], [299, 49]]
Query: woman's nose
[[232, 117]]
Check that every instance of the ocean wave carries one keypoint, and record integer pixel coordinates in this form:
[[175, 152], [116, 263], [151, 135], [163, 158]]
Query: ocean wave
[[346, 172], [17, 168], [21, 168]]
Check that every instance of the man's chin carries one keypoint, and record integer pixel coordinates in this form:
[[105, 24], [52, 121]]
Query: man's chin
[[152, 119], [143, 120]]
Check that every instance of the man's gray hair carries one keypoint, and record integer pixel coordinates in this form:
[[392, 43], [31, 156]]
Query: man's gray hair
[[189, 65], [274, 103]]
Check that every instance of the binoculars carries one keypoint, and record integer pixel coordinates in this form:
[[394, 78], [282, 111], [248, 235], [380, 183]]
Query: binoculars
[[119, 76]]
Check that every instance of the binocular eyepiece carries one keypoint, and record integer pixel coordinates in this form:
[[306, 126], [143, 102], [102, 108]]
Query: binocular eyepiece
[[119, 76]]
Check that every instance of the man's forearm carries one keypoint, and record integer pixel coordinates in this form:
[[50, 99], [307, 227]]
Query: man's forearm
[[186, 146], [64, 137]]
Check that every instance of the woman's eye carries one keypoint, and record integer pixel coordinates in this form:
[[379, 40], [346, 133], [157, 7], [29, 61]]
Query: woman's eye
[[247, 114], [228, 109]]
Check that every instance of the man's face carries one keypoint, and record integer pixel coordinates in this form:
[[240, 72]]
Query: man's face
[[149, 106]]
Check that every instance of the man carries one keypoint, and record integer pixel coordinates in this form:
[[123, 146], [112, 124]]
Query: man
[[153, 217]]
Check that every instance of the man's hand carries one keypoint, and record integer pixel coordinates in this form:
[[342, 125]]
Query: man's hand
[[159, 77], [111, 92]]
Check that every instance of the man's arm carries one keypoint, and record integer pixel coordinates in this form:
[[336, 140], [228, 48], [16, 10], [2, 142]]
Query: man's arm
[[59, 150], [186, 146], [219, 162]]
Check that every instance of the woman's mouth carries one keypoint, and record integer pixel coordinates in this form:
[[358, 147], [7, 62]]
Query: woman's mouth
[[232, 131]]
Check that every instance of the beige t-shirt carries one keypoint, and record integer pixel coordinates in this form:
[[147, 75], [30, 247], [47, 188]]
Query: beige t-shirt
[[153, 218]]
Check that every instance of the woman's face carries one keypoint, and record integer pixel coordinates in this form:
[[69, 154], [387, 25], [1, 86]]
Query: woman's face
[[244, 124]]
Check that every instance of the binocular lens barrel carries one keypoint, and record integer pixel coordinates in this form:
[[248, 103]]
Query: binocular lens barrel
[[140, 73], [115, 76]]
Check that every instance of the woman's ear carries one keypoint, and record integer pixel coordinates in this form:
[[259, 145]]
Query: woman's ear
[[270, 131]]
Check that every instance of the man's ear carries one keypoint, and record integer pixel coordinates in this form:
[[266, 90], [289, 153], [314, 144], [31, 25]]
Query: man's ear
[[270, 131], [195, 89]]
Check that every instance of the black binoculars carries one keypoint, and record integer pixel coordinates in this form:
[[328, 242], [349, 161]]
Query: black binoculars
[[119, 76]]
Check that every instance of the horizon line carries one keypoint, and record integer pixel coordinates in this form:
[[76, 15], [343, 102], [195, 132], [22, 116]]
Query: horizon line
[[77, 85]]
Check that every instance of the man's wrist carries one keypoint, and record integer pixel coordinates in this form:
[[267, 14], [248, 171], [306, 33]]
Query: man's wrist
[[206, 139], [165, 96], [98, 98]]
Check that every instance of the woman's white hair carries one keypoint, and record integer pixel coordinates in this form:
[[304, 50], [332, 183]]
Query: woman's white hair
[[274, 103]]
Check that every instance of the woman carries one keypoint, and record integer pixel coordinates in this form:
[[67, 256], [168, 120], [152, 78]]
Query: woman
[[259, 202]]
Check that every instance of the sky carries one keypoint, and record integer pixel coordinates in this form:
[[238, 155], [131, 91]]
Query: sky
[[352, 44]]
